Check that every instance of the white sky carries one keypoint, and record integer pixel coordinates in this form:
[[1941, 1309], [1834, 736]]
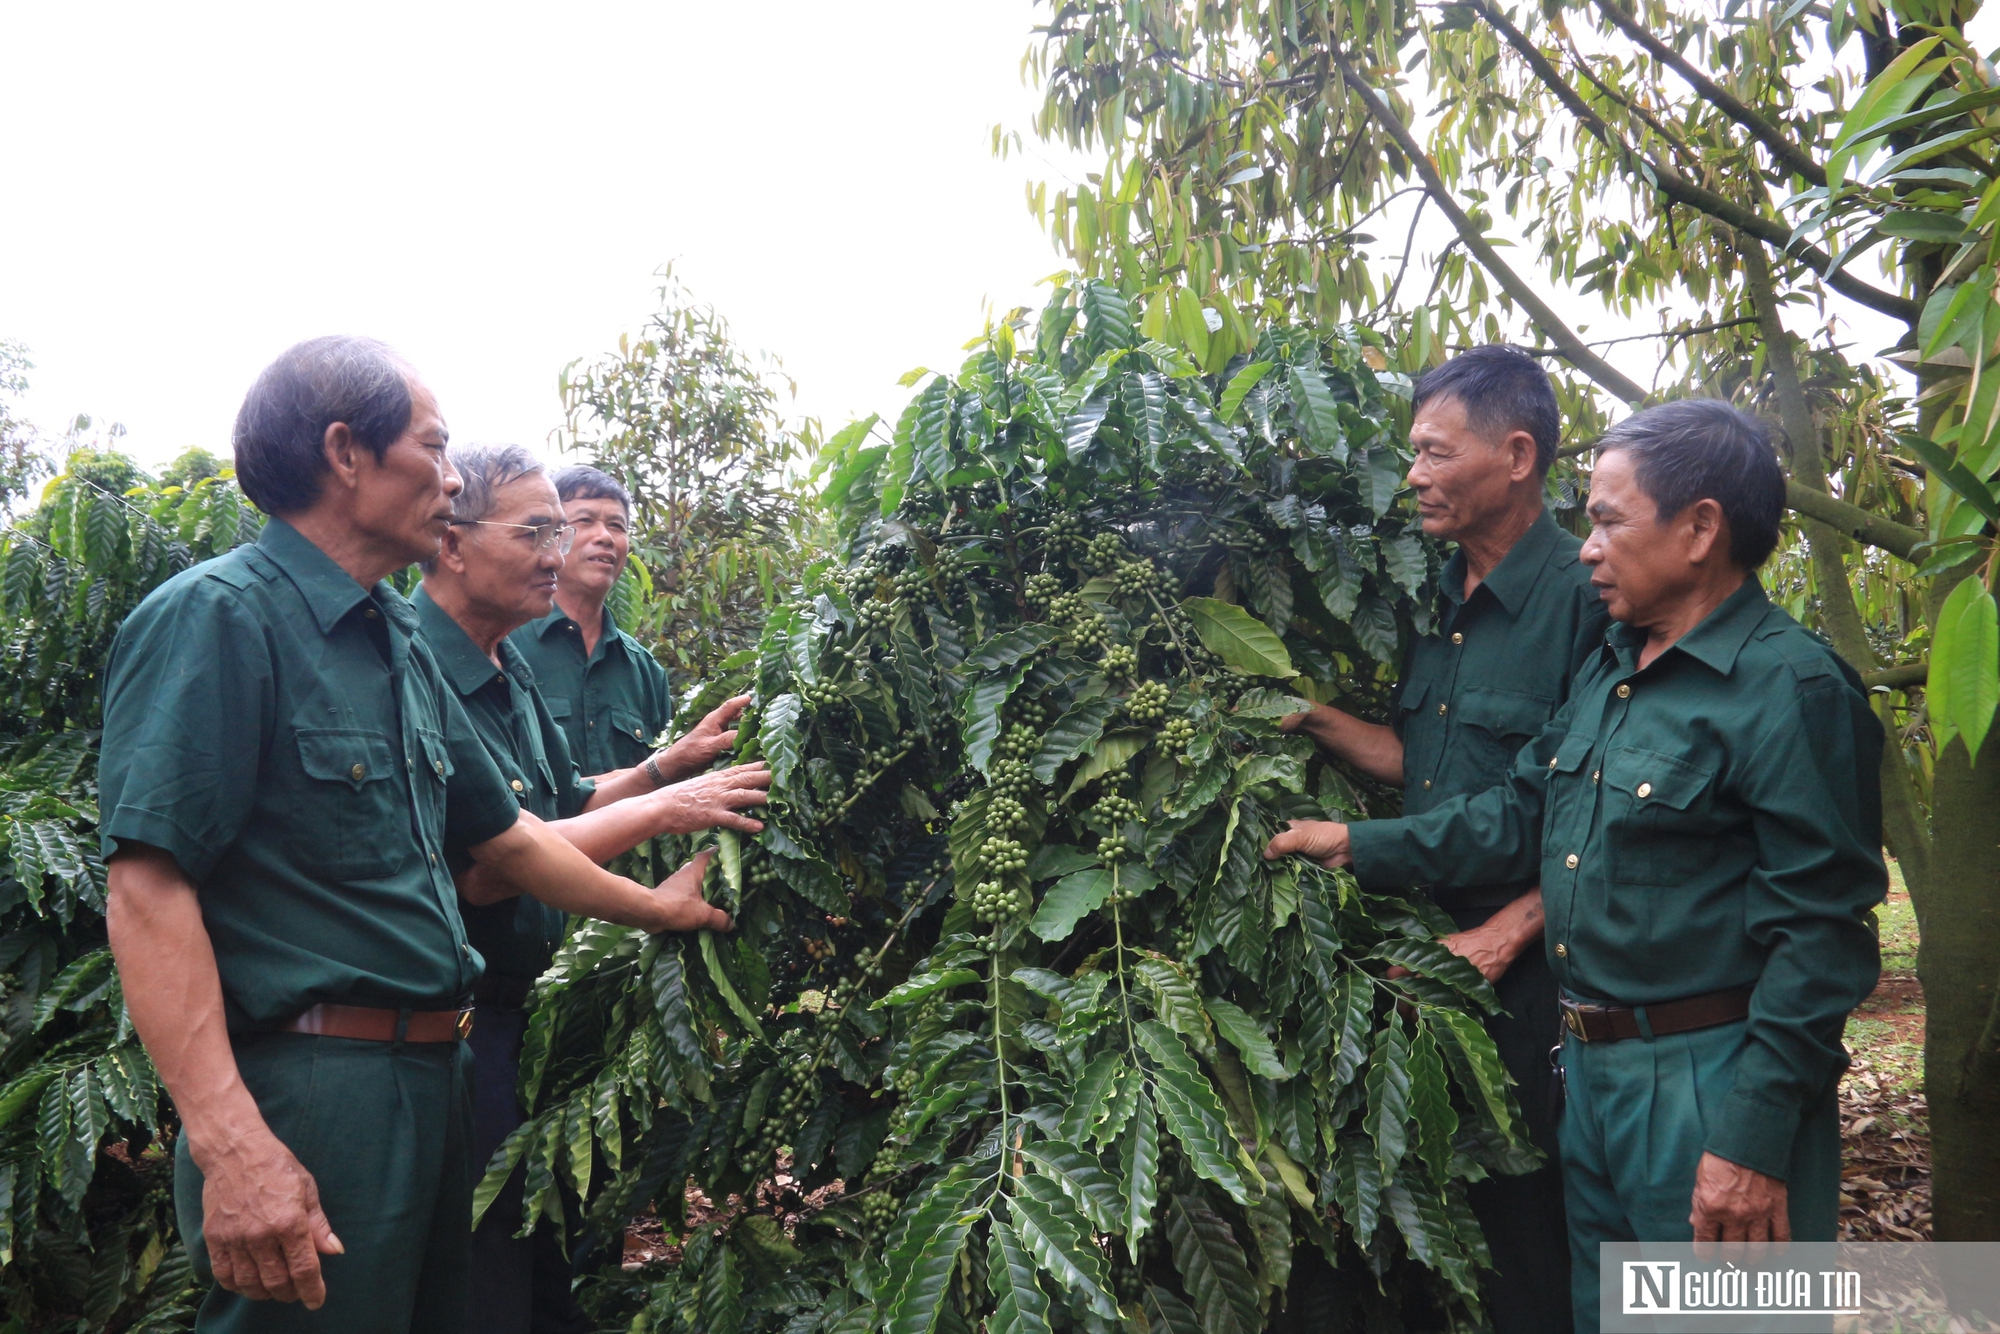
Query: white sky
[[490, 187]]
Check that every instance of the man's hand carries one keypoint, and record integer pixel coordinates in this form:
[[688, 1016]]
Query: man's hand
[[1321, 840], [704, 741], [1370, 747], [1733, 1203], [262, 1222], [716, 800], [1495, 943], [680, 903]]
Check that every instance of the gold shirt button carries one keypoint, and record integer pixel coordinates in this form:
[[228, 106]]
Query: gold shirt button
[[1570, 861], [1552, 761], [1596, 774], [357, 771], [370, 613], [517, 785], [434, 859], [439, 765], [1458, 639], [1562, 950], [1645, 790], [1443, 709], [1624, 692], [1427, 785]]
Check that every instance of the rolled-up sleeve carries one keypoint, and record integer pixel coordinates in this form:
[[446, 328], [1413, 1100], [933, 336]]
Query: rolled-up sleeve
[[1815, 806], [188, 704]]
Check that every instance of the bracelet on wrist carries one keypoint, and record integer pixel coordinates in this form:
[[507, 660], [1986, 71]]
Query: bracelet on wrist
[[652, 768]]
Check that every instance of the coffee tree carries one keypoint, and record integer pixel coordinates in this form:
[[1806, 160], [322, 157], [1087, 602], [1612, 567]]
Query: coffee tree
[[1017, 1024]]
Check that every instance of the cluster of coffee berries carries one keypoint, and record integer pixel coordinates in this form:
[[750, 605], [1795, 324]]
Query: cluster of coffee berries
[[909, 583], [879, 1209], [1041, 589], [1032, 712], [1005, 813], [817, 695], [1116, 809], [1120, 660], [952, 569], [1068, 607], [884, 756], [1089, 631], [1176, 735], [762, 871], [1019, 743], [874, 614], [1001, 855], [1148, 702], [1011, 778], [1139, 578], [993, 901], [792, 1101], [1106, 552], [1065, 533], [819, 951]]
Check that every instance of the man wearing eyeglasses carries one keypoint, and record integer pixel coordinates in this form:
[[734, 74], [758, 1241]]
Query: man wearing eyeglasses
[[607, 691], [496, 570]]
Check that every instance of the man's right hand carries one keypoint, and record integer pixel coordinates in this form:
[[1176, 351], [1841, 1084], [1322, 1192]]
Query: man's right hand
[[716, 800], [263, 1224], [1322, 840], [681, 905]]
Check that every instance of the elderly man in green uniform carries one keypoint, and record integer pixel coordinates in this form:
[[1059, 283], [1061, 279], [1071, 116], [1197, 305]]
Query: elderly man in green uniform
[[607, 691], [1518, 617], [495, 571], [1705, 817], [285, 778]]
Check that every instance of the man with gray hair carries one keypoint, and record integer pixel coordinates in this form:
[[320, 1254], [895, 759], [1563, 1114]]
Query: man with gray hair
[[1705, 818], [495, 571], [285, 780]]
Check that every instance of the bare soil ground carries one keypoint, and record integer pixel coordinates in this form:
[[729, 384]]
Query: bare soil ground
[[1885, 1123]]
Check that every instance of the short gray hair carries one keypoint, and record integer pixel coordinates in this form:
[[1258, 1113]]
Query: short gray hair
[[280, 436], [1704, 449], [484, 469]]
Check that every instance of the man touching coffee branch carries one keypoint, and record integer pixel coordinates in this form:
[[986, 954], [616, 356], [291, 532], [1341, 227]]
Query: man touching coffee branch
[[1517, 616]]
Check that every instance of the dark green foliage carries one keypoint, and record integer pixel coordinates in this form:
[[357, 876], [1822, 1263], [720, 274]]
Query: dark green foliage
[[86, 1227], [1018, 1025]]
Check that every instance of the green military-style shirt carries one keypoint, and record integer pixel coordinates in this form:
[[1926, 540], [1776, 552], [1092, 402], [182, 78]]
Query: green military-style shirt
[[281, 731], [1711, 821], [612, 704], [518, 937], [1493, 674]]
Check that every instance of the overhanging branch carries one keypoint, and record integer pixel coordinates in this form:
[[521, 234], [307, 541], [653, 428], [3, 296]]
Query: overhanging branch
[[1681, 190], [1783, 150]]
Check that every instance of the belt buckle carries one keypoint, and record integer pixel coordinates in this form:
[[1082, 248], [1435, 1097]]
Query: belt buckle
[[1573, 1020], [465, 1023]]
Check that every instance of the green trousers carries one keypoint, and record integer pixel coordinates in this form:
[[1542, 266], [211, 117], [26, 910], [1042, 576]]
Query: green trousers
[[1637, 1117], [387, 1134]]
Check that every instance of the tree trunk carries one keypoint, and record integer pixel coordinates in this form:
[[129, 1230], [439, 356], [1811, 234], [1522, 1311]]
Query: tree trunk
[[1960, 969]]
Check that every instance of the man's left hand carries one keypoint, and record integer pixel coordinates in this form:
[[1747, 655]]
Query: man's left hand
[[704, 742], [1733, 1203], [680, 903]]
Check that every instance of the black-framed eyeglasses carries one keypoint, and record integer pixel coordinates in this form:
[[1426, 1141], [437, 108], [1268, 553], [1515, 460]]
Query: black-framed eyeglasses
[[558, 535]]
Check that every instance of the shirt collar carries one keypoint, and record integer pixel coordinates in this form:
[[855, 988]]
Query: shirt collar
[[330, 592], [1721, 635], [468, 670], [558, 620], [1514, 577]]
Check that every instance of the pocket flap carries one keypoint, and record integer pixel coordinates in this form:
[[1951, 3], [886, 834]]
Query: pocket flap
[[1571, 755], [1652, 777], [558, 705], [1504, 712], [350, 755], [628, 723]]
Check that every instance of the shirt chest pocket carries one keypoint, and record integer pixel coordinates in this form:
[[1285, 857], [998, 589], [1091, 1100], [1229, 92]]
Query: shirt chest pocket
[[558, 705], [350, 822], [633, 738], [1659, 822], [1495, 724]]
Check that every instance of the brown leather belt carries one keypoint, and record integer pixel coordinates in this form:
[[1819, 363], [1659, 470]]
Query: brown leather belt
[[1615, 1023], [372, 1025]]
